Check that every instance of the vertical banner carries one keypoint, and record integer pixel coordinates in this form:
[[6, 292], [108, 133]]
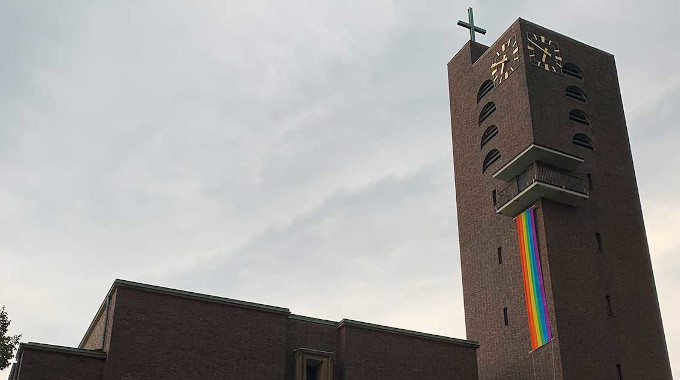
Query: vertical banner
[[534, 293]]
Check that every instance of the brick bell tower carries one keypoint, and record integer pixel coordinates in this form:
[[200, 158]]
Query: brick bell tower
[[557, 278]]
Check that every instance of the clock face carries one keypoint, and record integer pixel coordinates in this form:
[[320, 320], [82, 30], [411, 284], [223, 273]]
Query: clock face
[[544, 53], [505, 60]]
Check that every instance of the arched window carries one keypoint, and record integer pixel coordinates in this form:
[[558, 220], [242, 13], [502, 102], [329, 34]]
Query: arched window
[[579, 116], [488, 109], [583, 141], [487, 86], [490, 158], [576, 94], [488, 135], [572, 70]]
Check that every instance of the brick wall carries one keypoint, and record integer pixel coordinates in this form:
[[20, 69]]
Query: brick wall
[[37, 362], [373, 353], [157, 335]]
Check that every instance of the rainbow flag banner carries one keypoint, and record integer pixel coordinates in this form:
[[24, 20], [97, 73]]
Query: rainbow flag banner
[[534, 293]]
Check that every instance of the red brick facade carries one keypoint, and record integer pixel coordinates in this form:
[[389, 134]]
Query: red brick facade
[[160, 333], [41, 361]]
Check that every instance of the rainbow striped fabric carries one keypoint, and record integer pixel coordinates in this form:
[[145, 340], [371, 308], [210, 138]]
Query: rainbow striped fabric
[[534, 293]]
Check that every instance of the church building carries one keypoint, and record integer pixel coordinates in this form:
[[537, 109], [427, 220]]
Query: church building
[[557, 277]]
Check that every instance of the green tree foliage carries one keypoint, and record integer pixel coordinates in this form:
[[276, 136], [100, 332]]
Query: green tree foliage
[[7, 343]]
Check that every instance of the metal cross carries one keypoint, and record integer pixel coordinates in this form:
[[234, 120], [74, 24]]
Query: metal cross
[[471, 25]]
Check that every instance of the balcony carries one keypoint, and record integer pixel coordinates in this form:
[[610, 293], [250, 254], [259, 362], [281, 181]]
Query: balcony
[[539, 181], [536, 153]]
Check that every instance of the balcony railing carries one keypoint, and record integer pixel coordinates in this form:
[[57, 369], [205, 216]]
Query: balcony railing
[[554, 185], [537, 153]]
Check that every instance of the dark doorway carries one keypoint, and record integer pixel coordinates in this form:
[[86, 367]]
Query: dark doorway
[[312, 372]]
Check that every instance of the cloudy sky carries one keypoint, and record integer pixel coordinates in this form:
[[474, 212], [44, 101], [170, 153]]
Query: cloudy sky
[[293, 153]]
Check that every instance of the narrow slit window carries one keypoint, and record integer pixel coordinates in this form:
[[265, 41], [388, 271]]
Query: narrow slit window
[[486, 87], [579, 116], [488, 135], [490, 158], [572, 70], [610, 309], [500, 255], [576, 94], [619, 373], [505, 315], [590, 180], [598, 237], [487, 110], [494, 197]]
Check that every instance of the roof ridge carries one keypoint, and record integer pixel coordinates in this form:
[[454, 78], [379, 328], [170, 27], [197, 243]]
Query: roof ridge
[[202, 296]]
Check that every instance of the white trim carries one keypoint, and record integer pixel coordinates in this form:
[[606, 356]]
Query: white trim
[[513, 199], [523, 152], [540, 183], [564, 189]]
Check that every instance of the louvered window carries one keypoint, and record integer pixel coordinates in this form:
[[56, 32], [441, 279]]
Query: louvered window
[[490, 158], [572, 70], [579, 116], [487, 110], [488, 135], [583, 141], [576, 94], [487, 86]]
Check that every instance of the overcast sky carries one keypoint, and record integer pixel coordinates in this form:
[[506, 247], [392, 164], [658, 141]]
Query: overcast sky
[[292, 153]]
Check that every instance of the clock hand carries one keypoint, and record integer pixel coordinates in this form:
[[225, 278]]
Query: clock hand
[[499, 62], [542, 49]]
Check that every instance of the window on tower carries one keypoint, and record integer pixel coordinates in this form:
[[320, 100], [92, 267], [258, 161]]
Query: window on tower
[[488, 135], [490, 158], [487, 110], [505, 315], [598, 238], [583, 141], [500, 255], [610, 309], [572, 70], [487, 86], [576, 94], [619, 373], [579, 116]]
